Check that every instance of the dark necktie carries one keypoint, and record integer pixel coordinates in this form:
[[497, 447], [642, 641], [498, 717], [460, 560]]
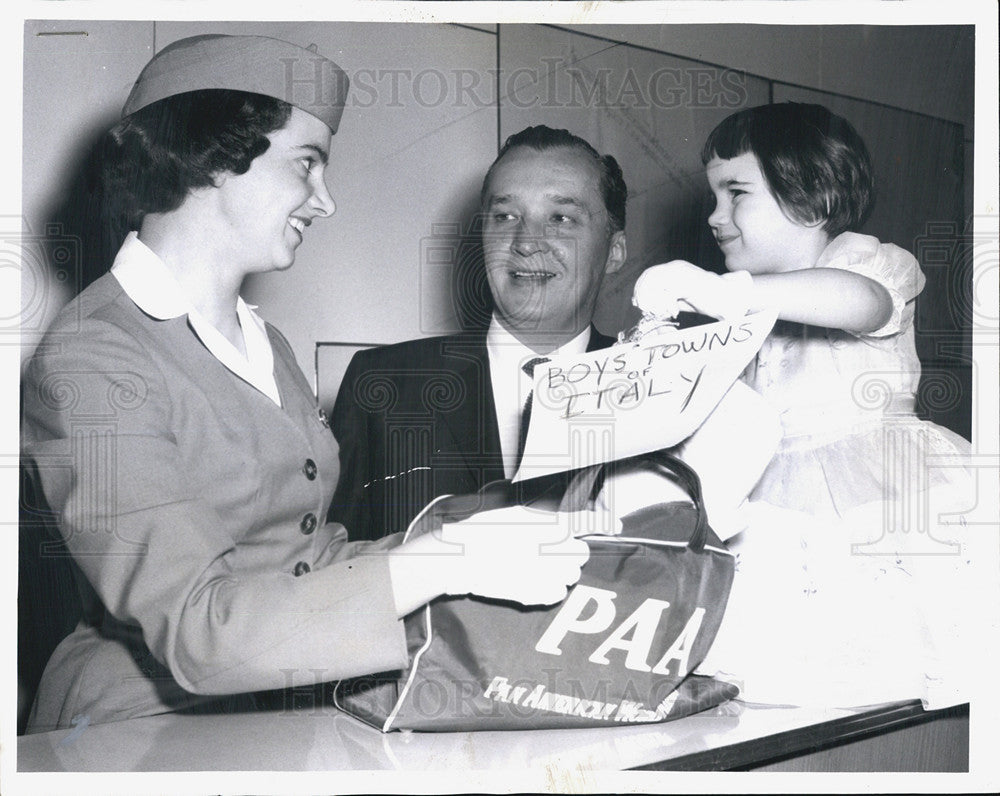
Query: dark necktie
[[529, 368]]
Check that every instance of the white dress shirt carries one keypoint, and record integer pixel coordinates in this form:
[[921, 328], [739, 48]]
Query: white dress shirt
[[146, 280], [511, 384]]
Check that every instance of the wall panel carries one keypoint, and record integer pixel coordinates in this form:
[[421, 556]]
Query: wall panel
[[925, 68], [76, 77]]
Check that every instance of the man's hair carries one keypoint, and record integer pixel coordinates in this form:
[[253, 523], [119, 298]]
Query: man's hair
[[156, 156], [612, 184], [815, 163]]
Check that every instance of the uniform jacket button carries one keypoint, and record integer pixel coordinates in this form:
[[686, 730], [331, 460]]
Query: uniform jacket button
[[308, 524], [309, 468], [301, 568]]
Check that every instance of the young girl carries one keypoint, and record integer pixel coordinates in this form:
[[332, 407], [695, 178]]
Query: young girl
[[854, 583]]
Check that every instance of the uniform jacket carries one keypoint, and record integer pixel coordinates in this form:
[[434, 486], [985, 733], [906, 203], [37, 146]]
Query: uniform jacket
[[416, 420], [193, 507]]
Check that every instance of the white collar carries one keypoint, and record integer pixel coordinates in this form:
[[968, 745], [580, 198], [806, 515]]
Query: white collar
[[146, 280], [511, 384], [503, 346]]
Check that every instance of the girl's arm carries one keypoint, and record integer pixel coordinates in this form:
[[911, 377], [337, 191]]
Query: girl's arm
[[828, 297]]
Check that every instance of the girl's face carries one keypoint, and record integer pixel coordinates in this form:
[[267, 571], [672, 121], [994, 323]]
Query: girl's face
[[749, 225], [266, 210]]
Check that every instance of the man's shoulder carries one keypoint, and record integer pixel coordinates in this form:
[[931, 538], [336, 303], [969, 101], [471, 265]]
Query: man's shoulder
[[446, 370], [417, 353]]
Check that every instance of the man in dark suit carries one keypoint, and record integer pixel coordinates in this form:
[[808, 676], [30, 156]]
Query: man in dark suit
[[443, 415]]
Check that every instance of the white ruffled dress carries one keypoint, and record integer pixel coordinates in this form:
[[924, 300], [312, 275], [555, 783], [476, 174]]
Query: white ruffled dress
[[857, 581]]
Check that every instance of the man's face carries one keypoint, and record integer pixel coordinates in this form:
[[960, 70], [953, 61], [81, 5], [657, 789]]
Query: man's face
[[546, 241]]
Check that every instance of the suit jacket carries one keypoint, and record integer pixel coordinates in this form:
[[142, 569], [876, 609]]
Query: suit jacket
[[189, 502], [416, 420]]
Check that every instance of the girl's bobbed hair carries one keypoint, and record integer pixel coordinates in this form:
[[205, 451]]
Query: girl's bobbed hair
[[815, 163], [157, 155]]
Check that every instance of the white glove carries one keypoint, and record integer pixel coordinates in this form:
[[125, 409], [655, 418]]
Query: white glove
[[518, 554], [665, 290]]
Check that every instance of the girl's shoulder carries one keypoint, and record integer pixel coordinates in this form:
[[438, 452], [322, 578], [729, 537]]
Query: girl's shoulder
[[890, 266], [886, 263]]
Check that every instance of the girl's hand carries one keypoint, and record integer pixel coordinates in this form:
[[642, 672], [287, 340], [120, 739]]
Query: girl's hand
[[665, 290]]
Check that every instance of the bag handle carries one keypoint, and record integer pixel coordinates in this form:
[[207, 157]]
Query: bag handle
[[590, 481]]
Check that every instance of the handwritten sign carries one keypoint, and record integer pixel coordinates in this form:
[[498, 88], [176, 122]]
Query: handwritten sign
[[635, 397]]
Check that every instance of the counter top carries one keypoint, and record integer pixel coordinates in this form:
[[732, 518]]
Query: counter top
[[728, 736]]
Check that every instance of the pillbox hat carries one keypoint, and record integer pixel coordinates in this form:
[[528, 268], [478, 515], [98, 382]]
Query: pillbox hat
[[300, 76]]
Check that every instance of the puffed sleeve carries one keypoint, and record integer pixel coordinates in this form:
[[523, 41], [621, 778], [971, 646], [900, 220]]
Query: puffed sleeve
[[98, 427], [885, 263]]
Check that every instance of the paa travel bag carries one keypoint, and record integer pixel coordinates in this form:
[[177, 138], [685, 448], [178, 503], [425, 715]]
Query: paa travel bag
[[617, 650]]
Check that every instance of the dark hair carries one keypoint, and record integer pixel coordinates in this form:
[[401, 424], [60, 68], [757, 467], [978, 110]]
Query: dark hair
[[815, 163], [612, 186], [159, 153]]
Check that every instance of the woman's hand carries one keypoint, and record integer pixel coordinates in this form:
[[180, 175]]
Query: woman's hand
[[665, 290], [517, 553]]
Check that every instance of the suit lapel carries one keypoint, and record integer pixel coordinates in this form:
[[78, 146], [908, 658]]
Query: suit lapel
[[598, 340], [469, 434], [467, 437]]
